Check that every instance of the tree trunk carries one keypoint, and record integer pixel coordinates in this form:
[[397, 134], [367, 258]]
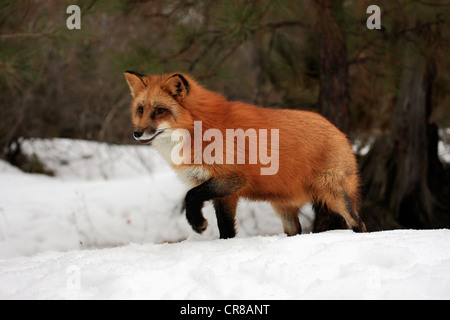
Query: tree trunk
[[333, 67], [400, 165]]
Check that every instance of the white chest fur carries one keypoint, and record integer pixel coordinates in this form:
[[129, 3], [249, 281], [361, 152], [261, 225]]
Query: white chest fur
[[164, 145], [193, 175]]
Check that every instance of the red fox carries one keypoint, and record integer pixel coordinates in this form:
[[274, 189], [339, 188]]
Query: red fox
[[312, 161]]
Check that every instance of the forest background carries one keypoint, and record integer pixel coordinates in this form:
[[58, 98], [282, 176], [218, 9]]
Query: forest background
[[387, 88]]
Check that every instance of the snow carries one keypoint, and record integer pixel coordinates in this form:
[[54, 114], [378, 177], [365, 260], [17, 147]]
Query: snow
[[110, 225], [103, 196], [332, 265], [362, 147], [444, 145]]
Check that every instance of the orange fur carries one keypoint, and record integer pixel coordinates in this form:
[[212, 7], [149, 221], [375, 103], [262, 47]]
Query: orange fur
[[316, 162]]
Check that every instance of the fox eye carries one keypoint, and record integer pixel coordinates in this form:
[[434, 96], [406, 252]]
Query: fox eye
[[140, 110], [160, 110]]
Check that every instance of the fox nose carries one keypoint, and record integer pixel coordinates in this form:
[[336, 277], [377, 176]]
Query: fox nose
[[138, 133]]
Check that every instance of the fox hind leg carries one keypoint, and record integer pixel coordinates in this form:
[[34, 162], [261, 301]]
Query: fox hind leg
[[289, 218], [326, 219], [337, 213], [357, 224]]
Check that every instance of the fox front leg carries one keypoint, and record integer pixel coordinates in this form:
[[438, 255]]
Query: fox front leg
[[226, 215], [212, 189]]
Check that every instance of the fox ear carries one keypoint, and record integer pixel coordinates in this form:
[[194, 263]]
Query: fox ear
[[177, 86], [135, 81]]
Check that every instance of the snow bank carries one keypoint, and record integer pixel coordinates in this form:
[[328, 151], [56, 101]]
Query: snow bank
[[330, 265], [104, 196]]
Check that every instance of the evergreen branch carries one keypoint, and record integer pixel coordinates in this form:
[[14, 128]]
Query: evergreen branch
[[282, 24]]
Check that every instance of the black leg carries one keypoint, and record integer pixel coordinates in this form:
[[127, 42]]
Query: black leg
[[226, 213], [194, 204], [211, 189], [326, 219], [359, 224]]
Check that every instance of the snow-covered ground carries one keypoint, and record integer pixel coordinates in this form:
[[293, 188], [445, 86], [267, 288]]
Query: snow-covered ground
[[331, 265], [110, 225]]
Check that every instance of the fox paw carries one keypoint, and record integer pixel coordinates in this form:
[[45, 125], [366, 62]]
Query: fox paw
[[200, 226]]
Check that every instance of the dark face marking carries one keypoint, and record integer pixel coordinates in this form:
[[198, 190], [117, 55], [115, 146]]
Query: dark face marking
[[140, 111], [158, 111]]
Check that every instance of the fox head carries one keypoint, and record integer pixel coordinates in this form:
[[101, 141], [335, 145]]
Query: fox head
[[158, 106], [178, 117]]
